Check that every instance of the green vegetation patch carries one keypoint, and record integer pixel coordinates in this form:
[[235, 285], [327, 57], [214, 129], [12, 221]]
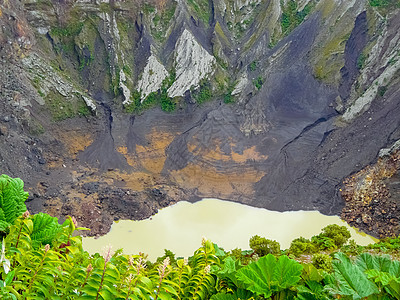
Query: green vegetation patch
[[65, 36], [384, 6], [161, 22], [35, 127], [228, 97], [203, 93], [218, 30], [202, 9], [85, 61], [301, 246], [221, 62], [82, 109], [253, 66], [85, 42], [384, 3], [105, 7], [166, 16], [159, 97], [148, 8], [330, 58], [114, 84], [382, 90], [362, 58], [127, 70], [70, 30], [124, 26], [62, 108], [291, 18], [331, 238], [12, 200], [258, 82], [387, 245]]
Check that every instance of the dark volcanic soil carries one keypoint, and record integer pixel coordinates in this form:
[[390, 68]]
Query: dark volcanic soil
[[372, 197]]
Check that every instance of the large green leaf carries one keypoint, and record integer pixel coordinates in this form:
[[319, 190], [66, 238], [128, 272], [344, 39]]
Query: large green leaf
[[269, 275], [378, 276], [287, 272], [219, 251], [389, 282], [311, 273], [45, 229], [395, 268], [383, 271], [237, 295], [228, 267], [12, 200], [349, 279], [311, 291], [367, 262]]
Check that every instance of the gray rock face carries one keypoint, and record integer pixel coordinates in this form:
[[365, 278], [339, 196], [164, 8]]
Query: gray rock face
[[152, 77], [47, 79], [193, 63]]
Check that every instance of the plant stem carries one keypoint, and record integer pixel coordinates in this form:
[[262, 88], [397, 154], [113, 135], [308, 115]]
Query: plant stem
[[159, 287], [101, 282], [37, 271], [198, 285], [16, 245], [84, 283], [129, 291], [180, 279], [19, 235]]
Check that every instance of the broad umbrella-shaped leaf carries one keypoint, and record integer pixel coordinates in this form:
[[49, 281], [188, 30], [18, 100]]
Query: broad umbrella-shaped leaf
[[269, 275], [311, 273], [312, 291], [287, 272], [229, 266], [350, 279], [45, 229], [394, 288], [12, 200], [367, 262], [379, 276], [388, 280], [395, 268]]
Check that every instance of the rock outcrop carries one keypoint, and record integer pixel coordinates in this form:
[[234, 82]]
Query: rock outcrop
[[192, 62], [152, 78]]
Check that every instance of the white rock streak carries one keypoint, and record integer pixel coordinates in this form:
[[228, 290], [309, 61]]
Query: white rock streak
[[387, 151], [364, 102], [114, 49], [239, 4], [152, 77], [125, 90], [193, 63], [89, 102], [240, 86]]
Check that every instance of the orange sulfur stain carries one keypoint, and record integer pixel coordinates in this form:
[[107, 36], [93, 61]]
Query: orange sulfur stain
[[208, 181]]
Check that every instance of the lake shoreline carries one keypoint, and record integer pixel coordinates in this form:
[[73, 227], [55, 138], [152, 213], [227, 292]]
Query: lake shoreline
[[181, 226]]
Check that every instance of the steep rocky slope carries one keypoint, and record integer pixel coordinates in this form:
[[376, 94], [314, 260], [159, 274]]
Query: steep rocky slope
[[113, 109]]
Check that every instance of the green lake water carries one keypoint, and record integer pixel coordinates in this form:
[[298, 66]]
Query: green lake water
[[180, 228]]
